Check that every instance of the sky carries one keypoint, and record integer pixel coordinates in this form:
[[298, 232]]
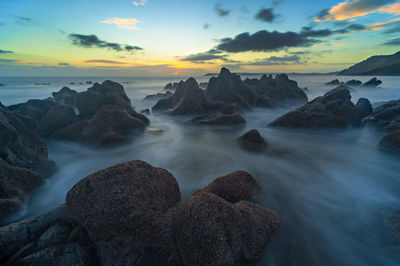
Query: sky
[[181, 37]]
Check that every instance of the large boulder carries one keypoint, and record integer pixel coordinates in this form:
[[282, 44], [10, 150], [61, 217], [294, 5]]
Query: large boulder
[[130, 203], [253, 141], [229, 115], [333, 110], [386, 116], [65, 96], [334, 82], [353, 83], [58, 117], [110, 125], [391, 140], [20, 147], [372, 83], [15, 184], [212, 231]]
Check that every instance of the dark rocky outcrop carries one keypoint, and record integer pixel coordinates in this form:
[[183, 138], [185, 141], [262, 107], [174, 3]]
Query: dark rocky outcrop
[[66, 96], [353, 83], [391, 223], [110, 125], [386, 116], [391, 140], [253, 141], [172, 86], [229, 115], [158, 96], [129, 214], [372, 83], [334, 82], [333, 110], [58, 117]]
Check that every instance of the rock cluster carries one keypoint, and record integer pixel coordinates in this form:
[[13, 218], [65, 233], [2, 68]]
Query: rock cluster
[[333, 110], [131, 214], [372, 83]]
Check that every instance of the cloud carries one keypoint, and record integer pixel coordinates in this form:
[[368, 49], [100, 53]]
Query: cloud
[[105, 62], [393, 42], [206, 56], [123, 23], [6, 52], [352, 9], [276, 60], [7, 61], [206, 26], [393, 9], [92, 41], [277, 2], [264, 41], [139, 2], [63, 64], [266, 15], [220, 11]]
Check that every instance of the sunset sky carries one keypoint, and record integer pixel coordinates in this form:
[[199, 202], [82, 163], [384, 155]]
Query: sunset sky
[[181, 37]]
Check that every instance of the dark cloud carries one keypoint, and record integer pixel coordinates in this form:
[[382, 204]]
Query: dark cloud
[[206, 26], [393, 42], [356, 27], [277, 2], [266, 15], [220, 11], [6, 52], [206, 56], [264, 41], [322, 14], [105, 61], [393, 29], [276, 60], [63, 64], [92, 41]]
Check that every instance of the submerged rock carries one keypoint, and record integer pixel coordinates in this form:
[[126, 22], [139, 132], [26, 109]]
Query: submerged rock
[[334, 82], [253, 141], [391, 140], [372, 83], [386, 116], [229, 115], [353, 83], [333, 110]]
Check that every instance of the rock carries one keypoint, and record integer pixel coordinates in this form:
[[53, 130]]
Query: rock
[[158, 96], [126, 208], [226, 116], [372, 83], [172, 101], [386, 116], [353, 83], [145, 111], [234, 187], [203, 85], [58, 117], [391, 140], [2, 85], [333, 110], [391, 222], [212, 231], [34, 109], [15, 184], [334, 82], [20, 147], [55, 235], [253, 141], [66, 96], [364, 107], [15, 236], [111, 125], [172, 86], [71, 254]]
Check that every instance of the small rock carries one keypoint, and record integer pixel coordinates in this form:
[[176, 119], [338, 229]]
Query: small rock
[[253, 141]]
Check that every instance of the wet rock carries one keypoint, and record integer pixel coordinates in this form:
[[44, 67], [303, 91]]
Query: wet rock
[[172, 86], [253, 141], [386, 116], [391, 140], [158, 96], [34, 109], [111, 125], [15, 184], [229, 115], [234, 187], [391, 222], [372, 83], [20, 147], [65, 96], [58, 117], [145, 111], [364, 107], [212, 231], [353, 83], [333, 110], [55, 235], [334, 82], [129, 207]]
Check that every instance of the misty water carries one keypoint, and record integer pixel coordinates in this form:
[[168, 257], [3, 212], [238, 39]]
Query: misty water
[[330, 187]]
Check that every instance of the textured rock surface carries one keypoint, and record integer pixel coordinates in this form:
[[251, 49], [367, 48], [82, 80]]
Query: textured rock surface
[[58, 117], [253, 141]]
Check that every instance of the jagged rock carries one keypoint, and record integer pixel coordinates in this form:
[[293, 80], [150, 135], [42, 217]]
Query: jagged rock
[[58, 117], [145, 111], [391, 140], [334, 82], [234, 187], [111, 125], [158, 96], [386, 116], [172, 86], [66, 96], [353, 83], [15, 184], [203, 85], [229, 115], [54, 235], [20, 147], [253, 141], [333, 110], [372, 83], [212, 231]]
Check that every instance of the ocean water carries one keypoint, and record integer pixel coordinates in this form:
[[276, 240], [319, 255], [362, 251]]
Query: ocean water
[[330, 187]]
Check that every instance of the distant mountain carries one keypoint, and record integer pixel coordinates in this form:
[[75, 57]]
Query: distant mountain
[[263, 73], [380, 65]]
